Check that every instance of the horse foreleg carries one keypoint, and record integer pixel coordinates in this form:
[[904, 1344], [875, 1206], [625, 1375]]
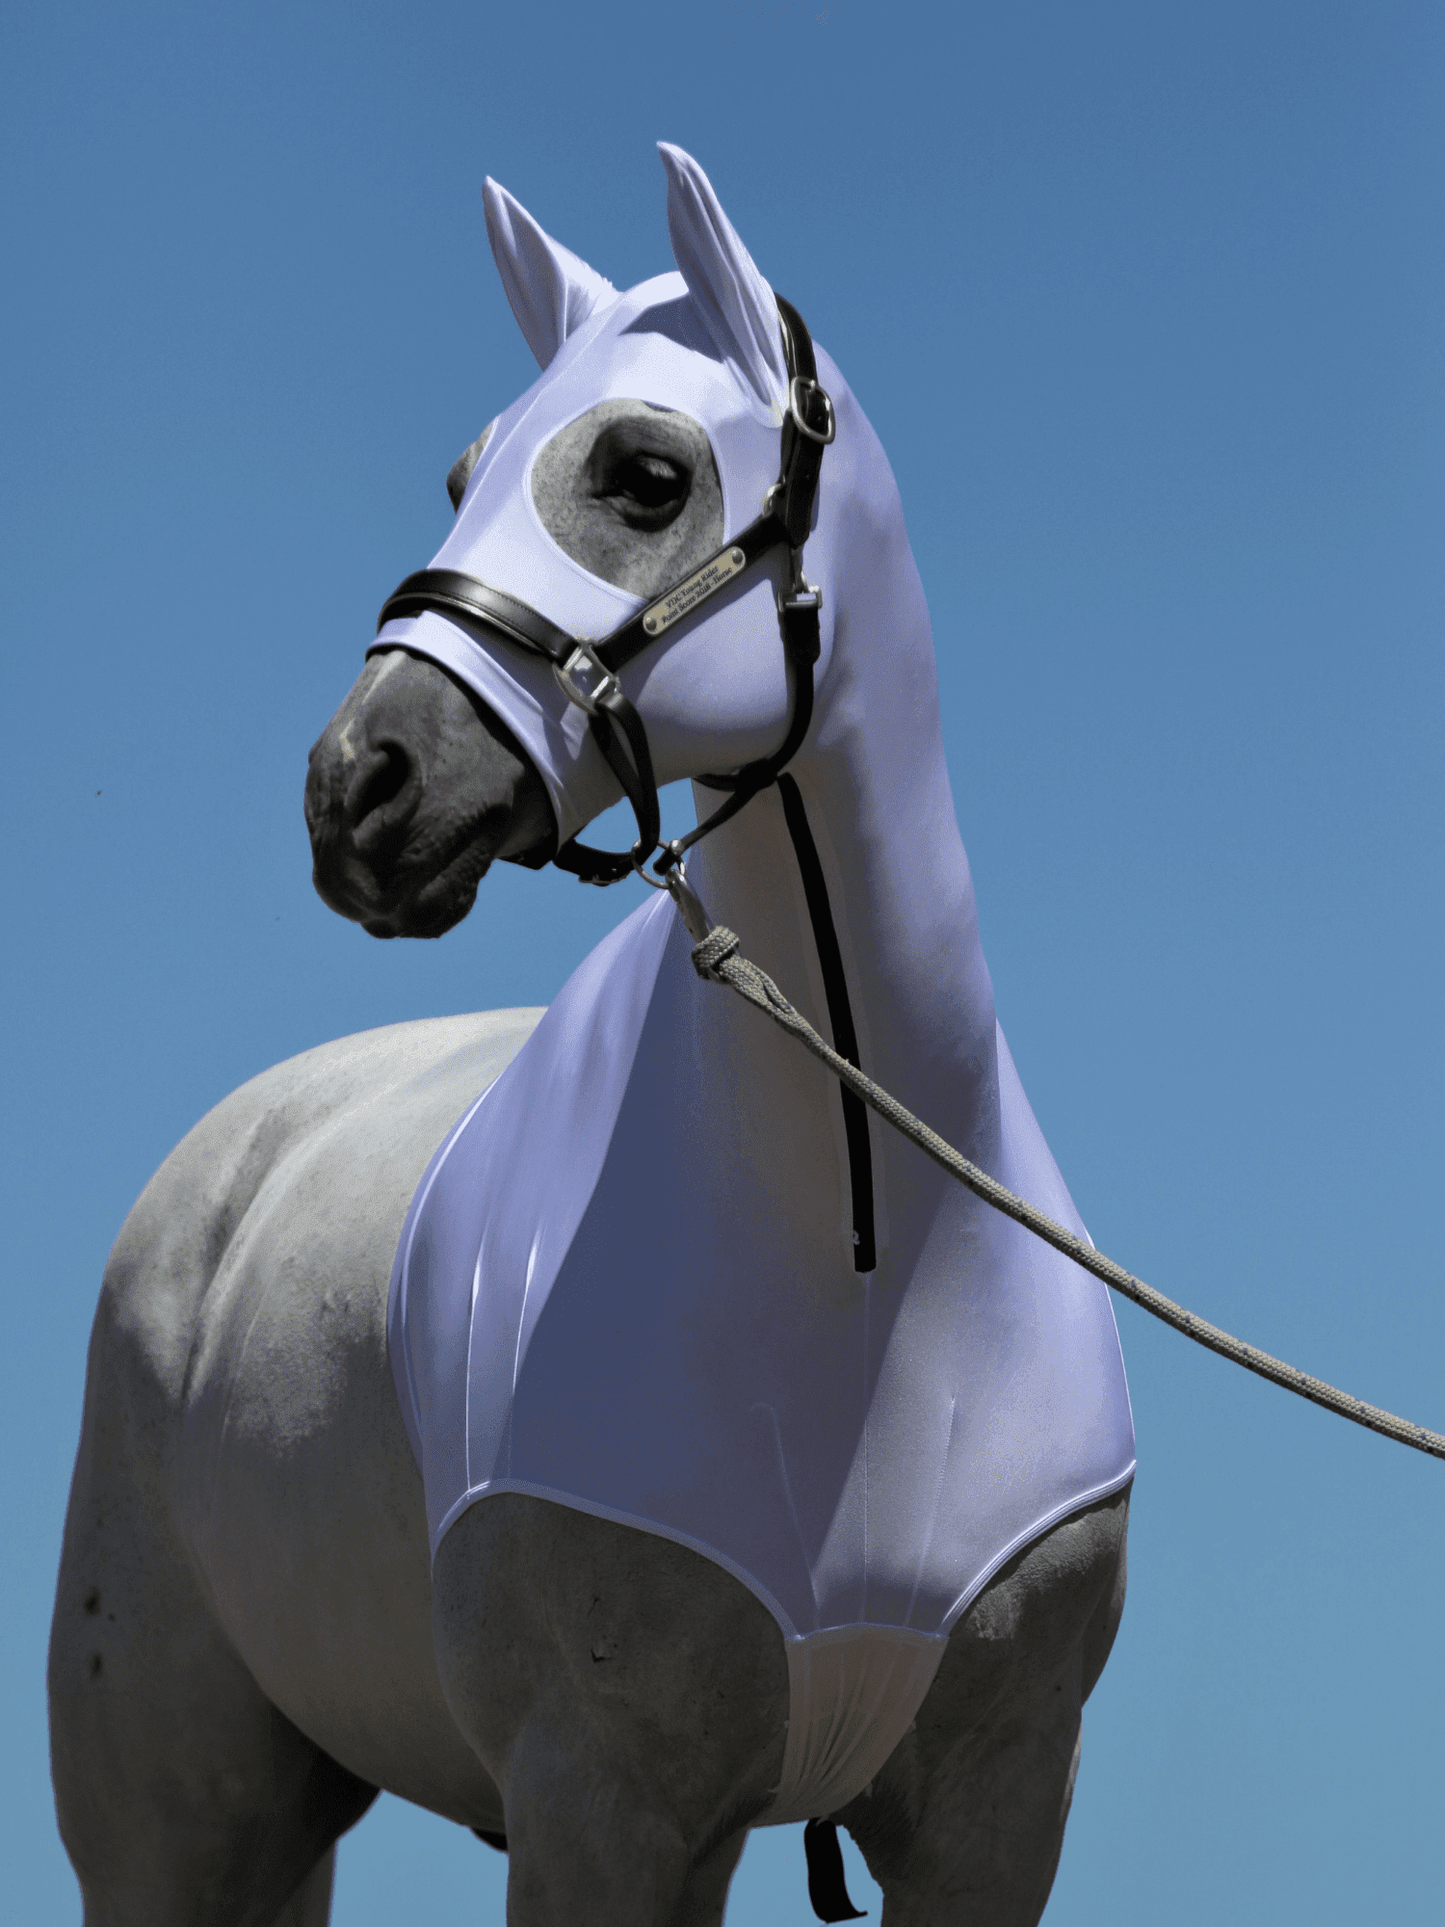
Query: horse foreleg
[[185, 1798], [966, 1821], [310, 1905], [628, 1696]]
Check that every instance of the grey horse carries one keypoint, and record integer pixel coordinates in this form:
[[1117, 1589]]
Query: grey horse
[[250, 1638]]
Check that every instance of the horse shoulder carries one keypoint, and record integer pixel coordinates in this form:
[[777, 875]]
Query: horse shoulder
[[187, 1223]]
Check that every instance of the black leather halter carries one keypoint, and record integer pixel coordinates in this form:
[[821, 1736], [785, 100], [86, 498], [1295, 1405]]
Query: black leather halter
[[615, 725]]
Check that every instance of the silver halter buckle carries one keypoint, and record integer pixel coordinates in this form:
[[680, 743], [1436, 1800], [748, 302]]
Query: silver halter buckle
[[800, 592], [800, 391], [583, 657]]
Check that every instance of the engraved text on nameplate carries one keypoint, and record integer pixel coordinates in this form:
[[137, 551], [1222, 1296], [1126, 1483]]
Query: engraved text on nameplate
[[697, 588]]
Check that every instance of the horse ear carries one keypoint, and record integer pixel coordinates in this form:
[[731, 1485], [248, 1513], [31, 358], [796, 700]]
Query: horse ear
[[551, 291], [736, 304]]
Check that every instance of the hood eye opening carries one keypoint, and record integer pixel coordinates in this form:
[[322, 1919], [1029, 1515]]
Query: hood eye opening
[[631, 492]]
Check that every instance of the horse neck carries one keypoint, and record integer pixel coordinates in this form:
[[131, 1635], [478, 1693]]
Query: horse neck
[[875, 789]]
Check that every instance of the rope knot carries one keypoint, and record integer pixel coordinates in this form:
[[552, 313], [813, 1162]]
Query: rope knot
[[717, 946]]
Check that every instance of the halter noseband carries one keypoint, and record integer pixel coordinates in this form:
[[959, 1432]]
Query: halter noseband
[[614, 723]]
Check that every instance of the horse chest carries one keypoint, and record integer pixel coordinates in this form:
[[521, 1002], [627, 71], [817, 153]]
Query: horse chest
[[627, 1284]]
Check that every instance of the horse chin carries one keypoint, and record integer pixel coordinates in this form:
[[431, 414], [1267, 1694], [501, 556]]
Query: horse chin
[[413, 899], [437, 907]]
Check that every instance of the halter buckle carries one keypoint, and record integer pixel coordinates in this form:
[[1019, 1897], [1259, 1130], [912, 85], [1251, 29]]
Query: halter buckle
[[582, 657], [800, 593], [801, 392]]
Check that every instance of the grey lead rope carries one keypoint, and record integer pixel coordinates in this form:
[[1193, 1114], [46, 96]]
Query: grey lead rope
[[716, 958]]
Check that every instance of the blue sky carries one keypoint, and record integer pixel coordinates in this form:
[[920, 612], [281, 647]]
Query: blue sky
[[1145, 303]]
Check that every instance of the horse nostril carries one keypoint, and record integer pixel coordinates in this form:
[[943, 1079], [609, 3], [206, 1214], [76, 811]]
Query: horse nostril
[[381, 781]]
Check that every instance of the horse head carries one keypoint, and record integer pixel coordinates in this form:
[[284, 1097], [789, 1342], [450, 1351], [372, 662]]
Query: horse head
[[651, 437]]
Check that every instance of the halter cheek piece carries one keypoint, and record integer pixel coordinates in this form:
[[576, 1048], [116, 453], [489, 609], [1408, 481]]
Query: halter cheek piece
[[587, 672]]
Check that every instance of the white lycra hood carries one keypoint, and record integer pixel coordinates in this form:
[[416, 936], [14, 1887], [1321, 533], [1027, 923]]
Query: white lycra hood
[[705, 341]]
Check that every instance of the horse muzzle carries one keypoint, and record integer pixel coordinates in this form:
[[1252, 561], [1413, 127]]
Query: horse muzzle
[[412, 790]]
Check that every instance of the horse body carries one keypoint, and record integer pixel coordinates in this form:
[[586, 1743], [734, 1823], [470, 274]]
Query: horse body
[[247, 1505]]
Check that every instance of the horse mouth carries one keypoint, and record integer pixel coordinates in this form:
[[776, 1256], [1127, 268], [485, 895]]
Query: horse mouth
[[377, 859], [439, 905], [421, 891]]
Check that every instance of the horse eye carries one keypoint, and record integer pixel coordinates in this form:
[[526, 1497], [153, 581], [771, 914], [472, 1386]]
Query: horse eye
[[648, 491]]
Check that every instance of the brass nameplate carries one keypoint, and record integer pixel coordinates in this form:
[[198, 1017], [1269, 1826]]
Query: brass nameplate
[[697, 588]]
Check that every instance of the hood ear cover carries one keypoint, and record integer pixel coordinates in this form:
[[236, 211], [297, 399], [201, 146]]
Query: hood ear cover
[[552, 292], [733, 301]]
